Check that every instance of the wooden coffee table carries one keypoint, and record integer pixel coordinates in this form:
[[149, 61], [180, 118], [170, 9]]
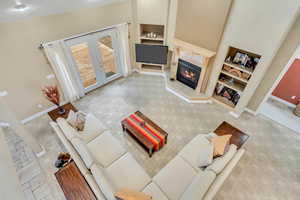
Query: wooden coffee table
[[142, 140], [238, 137], [73, 183]]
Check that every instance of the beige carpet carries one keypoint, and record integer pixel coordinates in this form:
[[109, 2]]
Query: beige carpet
[[268, 170]]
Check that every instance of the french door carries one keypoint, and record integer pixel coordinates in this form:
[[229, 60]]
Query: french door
[[95, 58]]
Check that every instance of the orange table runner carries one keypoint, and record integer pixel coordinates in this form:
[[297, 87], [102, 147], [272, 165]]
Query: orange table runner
[[157, 139]]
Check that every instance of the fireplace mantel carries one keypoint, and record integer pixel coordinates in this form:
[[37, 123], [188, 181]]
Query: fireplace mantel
[[193, 54]]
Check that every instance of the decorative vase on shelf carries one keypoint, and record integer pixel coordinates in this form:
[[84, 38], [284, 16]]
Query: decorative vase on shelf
[[52, 94]]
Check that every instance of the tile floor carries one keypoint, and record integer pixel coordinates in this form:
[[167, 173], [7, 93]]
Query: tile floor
[[281, 114], [268, 170]]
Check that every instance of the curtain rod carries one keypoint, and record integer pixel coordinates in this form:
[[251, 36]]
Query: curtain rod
[[41, 46]]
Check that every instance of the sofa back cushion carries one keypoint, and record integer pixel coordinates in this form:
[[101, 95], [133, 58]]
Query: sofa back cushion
[[198, 152], [219, 163], [199, 186], [83, 151], [103, 182], [67, 129], [92, 125], [70, 148], [106, 149], [175, 177]]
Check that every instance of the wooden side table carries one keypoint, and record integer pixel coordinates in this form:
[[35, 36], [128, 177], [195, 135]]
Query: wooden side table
[[238, 137], [73, 183], [54, 113]]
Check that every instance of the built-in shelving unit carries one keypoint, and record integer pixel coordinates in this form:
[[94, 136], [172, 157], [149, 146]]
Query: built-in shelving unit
[[236, 73], [151, 34]]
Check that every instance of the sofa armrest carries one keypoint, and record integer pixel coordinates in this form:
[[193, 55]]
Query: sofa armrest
[[216, 185]]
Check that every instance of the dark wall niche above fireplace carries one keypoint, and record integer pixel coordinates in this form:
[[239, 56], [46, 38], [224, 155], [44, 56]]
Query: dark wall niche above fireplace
[[188, 73]]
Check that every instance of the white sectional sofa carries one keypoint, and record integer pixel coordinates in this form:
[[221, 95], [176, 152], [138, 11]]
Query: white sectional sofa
[[108, 167]]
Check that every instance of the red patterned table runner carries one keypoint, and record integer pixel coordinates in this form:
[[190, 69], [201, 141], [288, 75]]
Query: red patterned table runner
[[152, 135]]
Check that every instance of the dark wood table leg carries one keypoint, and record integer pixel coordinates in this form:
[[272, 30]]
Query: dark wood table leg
[[150, 152]]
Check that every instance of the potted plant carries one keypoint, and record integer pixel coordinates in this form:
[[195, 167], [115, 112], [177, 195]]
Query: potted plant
[[53, 95]]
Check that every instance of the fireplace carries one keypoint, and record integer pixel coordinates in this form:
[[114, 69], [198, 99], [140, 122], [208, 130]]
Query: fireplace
[[188, 73]]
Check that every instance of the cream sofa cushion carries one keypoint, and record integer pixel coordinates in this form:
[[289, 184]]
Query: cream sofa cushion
[[66, 128], [90, 179], [175, 178], [218, 182], [127, 173], [153, 190], [199, 186], [83, 151], [104, 183], [198, 152], [92, 125], [93, 128], [219, 163], [106, 149], [74, 154]]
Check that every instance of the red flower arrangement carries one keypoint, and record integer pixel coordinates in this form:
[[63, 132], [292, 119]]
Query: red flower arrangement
[[52, 94]]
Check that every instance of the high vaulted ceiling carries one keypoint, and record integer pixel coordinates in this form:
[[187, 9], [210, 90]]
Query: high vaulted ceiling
[[43, 7]]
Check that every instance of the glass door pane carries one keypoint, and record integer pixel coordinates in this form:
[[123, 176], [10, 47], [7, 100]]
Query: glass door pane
[[107, 55], [84, 64]]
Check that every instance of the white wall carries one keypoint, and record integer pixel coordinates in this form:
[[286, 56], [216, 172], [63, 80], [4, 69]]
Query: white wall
[[278, 64], [152, 11], [24, 69], [259, 27]]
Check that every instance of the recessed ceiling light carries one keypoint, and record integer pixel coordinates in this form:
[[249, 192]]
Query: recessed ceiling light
[[20, 7]]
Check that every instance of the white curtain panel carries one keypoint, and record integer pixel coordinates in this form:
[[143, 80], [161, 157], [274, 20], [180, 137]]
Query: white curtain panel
[[65, 76], [123, 32]]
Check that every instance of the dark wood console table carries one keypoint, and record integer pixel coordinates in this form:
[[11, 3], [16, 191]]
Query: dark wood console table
[[73, 183], [238, 137], [54, 113]]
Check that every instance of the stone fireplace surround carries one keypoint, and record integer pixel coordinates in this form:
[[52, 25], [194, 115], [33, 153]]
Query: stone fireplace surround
[[196, 56]]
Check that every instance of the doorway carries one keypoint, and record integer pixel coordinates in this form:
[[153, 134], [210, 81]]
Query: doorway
[[284, 96], [95, 58]]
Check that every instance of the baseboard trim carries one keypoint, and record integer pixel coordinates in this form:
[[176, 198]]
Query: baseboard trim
[[36, 115], [170, 90], [152, 73], [235, 115], [4, 124], [43, 152], [283, 101], [186, 99], [252, 112]]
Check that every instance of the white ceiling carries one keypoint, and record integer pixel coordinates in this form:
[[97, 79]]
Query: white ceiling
[[44, 7]]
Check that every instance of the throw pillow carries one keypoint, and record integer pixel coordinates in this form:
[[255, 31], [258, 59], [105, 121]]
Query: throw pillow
[[219, 163], [80, 121], [76, 120], [206, 154], [220, 143], [72, 118], [128, 194], [93, 125]]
